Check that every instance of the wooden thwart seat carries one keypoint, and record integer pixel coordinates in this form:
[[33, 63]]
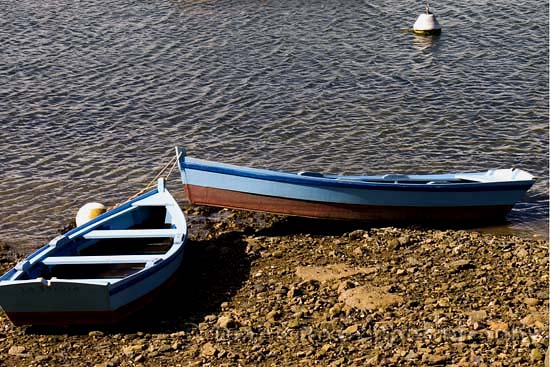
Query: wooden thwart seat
[[130, 233], [89, 260]]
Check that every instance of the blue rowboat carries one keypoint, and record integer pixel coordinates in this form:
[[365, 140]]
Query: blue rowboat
[[101, 271], [453, 197]]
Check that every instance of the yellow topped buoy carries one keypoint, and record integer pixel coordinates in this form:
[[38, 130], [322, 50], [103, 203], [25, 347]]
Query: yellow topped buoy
[[88, 212], [426, 24]]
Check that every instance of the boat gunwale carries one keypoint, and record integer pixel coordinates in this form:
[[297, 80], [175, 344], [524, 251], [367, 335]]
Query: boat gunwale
[[335, 181]]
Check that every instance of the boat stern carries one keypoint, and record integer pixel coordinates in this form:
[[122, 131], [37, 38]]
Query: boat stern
[[54, 301]]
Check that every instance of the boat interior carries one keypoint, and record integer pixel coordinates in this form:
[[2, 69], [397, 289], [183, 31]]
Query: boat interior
[[111, 251]]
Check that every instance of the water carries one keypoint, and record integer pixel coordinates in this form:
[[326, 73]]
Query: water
[[94, 95]]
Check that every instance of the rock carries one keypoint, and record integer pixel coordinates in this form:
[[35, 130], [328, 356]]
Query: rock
[[210, 318], [95, 333], [411, 356], [460, 265], [208, 350], [536, 355], [335, 310], [531, 301], [478, 316], [394, 244], [369, 298], [522, 253], [323, 350], [404, 241], [330, 325], [4, 246], [534, 319], [16, 350], [351, 329], [41, 358], [358, 234], [273, 316], [498, 326], [226, 322], [434, 359], [330, 272], [164, 348], [294, 324], [132, 349], [443, 302]]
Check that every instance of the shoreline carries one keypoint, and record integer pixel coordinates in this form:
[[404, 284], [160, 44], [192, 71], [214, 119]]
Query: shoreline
[[266, 290]]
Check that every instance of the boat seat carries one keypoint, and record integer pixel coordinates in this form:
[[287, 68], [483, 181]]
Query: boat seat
[[130, 233], [89, 260], [91, 280]]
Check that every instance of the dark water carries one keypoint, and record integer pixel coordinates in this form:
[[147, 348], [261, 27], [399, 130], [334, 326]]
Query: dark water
[[95, 94]]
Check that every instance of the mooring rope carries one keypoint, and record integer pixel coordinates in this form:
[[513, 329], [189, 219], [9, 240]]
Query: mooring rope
[[172, 164]]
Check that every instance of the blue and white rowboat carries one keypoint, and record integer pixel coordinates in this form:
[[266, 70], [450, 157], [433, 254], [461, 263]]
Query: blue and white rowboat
[[101, 271], [453, 197]]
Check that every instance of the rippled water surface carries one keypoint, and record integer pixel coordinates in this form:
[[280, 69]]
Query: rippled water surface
[[95, 94]]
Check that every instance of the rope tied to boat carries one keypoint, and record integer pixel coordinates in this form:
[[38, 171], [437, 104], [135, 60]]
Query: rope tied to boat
[[153, 183]]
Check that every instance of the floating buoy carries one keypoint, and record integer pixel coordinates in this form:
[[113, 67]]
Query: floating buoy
[[426, 24], [88, 212]]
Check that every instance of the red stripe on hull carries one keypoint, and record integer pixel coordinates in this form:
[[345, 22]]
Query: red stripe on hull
[[240, 200], [67, 318]]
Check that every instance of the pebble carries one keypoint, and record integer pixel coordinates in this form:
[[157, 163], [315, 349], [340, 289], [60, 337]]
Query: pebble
[[208, 350]]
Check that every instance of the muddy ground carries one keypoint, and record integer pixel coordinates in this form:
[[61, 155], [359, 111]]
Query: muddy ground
[[261, 290]]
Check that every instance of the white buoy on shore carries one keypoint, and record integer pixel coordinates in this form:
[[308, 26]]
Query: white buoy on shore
[[426, 24], [88, 212]]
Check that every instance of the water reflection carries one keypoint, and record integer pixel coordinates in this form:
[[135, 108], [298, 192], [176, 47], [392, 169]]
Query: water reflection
[[426, 43]]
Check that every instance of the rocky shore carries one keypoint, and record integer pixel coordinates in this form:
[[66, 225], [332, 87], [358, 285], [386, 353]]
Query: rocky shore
[[260, 290]]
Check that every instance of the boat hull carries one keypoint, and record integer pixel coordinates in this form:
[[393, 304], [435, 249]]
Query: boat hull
[[102, 271], [61, 316], [209, 196], [451, 197]]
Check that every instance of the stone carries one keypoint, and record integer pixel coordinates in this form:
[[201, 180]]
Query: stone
[[531, 301], [294, 324], [460, 265], [498, 326], [351, 329], [16, 350], [324, 349], [394, 244], [366, 298], [330, 272], [358, 251], [132, 349], [226, 322], [477, 316], [273, 315], [208, 350], [210, 318], [536, 355], [164, 348], [434, 359]]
